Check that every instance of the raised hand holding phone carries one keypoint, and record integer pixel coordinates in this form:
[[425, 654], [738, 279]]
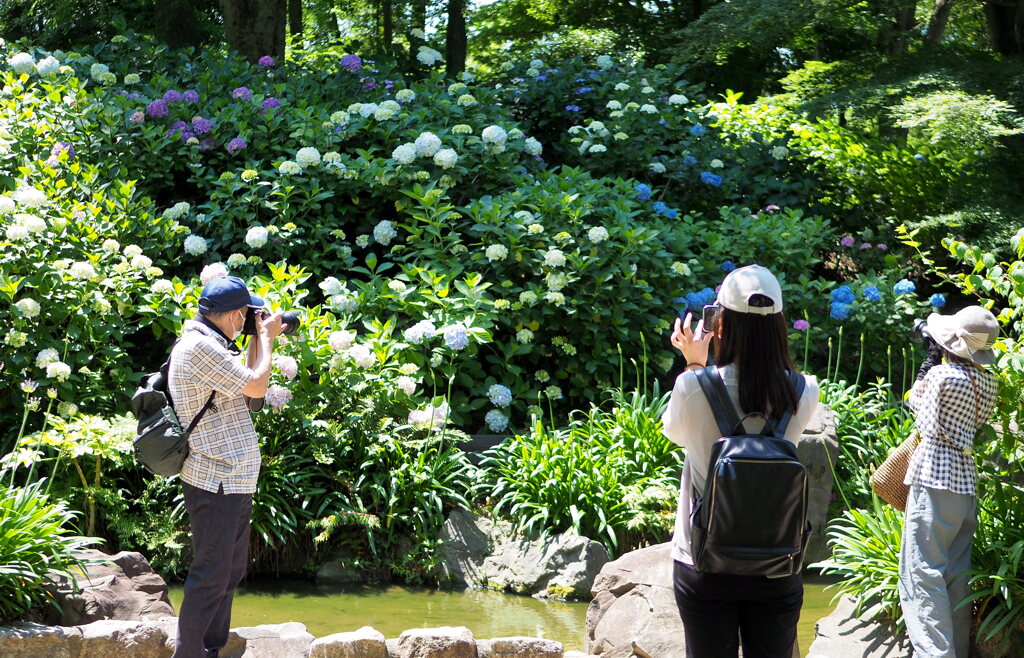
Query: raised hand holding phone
[[693, 344]]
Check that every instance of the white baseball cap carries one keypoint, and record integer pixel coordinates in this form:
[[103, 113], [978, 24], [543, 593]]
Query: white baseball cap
[[743, 283]]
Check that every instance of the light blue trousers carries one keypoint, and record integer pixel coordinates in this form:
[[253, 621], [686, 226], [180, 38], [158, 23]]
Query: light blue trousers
[[934, 556]]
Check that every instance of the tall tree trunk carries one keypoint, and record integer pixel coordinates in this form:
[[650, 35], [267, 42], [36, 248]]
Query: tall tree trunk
[[1006, 26], [894, 34], [255, 28], [295, 18], [387, 25], [175, 23], [696, 9], [455, 45], [938, 22]]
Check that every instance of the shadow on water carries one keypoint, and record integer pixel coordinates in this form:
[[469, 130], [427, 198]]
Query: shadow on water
[[393, 609]]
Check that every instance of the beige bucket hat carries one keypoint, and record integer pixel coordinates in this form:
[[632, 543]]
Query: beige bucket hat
[[970, 333]]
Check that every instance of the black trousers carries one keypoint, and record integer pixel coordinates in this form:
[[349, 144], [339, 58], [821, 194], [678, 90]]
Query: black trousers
[[718, 610], [220, 546]]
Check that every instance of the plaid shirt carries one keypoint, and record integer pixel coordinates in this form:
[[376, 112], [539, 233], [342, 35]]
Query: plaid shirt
[[948, 411], [223, 449]]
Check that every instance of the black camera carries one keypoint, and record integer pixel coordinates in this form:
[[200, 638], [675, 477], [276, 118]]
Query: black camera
[[919, 332], [289, 318]]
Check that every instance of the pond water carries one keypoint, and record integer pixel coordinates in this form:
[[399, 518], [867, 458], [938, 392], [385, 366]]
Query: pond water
[[394, 609]]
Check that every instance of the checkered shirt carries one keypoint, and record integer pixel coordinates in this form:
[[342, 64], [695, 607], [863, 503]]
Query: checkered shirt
[[223, 448], [946, 412]]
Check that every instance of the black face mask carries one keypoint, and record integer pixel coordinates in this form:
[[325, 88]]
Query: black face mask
[[232, 346]]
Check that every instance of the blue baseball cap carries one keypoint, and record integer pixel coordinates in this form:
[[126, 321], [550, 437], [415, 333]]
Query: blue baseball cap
[[226, 293]]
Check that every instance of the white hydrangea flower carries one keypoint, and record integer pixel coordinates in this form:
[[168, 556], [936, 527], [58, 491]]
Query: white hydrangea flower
[[647, 108], [287, 366], [614, 105], [384, 232], [28, 307], [532, 72], [553, 393], [597, 234], [141, 262], [396, 286], [195, 245], [99, 71], [362, 240], [110, 246], [462, 129], [48, 66], [537, 64], [58, 370], [339, 117], [524, 336], [555, 298], [32, 223], [211, 272], [605, 62], [46, 357], [406, 384], [780, 152], [467, 100], [277, 396], [427, 144], [22, 64], [236, 260], [419, 332], [404, 154], [682, 269], [622, 86], [496, 252], [620, 136], [132, 79], [678, 99], [554, 258], [456, 88], [417, 33], [289, 168], [647, 90], [405, 95], [657, 167], [384, 113], [341, 340], [362, 355], [178, 210], [132, 250], [556, 281], [716, 164], [597, 148], [494, 135], [7, 205], [30, 197], [499, 395], [82, 270], [428, 56], [534, 229], [446, 158], [528, 297], [307, 157], [532, 146], [496, 421], [367, 110]]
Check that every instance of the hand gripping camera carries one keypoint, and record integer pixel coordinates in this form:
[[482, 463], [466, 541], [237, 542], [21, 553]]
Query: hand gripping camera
[[289, 318]]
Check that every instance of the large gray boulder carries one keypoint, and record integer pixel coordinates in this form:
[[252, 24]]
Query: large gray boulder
[[109, 638], [287, 640], [39, 641], [518, 647], [121, 587], [442, 642], [476, 552], [818, 451], [367, 642], [843, 635]]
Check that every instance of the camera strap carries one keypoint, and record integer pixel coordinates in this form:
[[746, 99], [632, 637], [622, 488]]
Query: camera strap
[[231, 345]]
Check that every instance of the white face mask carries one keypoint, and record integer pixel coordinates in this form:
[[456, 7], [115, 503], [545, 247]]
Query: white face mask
[[235, 333]]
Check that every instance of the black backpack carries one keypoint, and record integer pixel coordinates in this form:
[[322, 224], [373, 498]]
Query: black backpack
[[752, 518], [161, 445]]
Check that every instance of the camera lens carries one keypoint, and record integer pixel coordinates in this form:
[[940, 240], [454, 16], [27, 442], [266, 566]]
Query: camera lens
[[291, 321]]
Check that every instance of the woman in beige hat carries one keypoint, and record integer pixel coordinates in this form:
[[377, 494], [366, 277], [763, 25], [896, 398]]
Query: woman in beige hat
[[952, 396]]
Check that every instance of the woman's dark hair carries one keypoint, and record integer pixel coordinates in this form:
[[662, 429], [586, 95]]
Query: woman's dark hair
[[759, 347]]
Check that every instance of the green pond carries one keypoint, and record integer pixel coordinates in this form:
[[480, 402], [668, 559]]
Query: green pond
[[392, 610]]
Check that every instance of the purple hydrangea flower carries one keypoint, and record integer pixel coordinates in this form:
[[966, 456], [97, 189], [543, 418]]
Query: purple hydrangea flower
[[63, 147], [137, 118], [352, 62], [271, 103], [235, 145], [266, 60], [771, 208], [847, 241], [801, 325], [865, 245], [242, 92], [191, 96], [389, 85], [132, 96], [584, 90], [370, 84], [882, 246], [208, 144], [201, 126], [172, 96], [187, 135], [572, 108], [157, 109], [178, 126]]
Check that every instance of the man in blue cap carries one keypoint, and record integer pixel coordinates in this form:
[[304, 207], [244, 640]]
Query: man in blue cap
[[219, 476]]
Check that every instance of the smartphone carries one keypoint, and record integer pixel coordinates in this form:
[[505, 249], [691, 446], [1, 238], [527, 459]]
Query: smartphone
[[711, 318]]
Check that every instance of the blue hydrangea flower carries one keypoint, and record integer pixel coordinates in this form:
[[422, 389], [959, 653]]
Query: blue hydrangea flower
[[700, 299], [840, 311], [728, 266], [904, 287], [672, 213], [843, 295], [583, 90], [500, 396], [660, 207], [496, 421], [937, 300], [455, 337], [872, 294], [541, 78], [711, 179], [572, 108], [689, 161], [697, 130], [643, 192]]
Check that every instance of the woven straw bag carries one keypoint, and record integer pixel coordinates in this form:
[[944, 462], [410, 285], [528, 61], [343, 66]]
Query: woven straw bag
[[887, 480]]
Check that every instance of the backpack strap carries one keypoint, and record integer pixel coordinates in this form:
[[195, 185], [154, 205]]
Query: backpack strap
[[195, 421], [798, 382], [721, 406]]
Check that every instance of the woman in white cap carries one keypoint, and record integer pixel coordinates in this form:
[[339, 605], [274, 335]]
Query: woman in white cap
[[752, 355], [950, 400]]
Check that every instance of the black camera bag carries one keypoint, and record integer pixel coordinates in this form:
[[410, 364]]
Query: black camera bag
[[161, 445], [752, 517]]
